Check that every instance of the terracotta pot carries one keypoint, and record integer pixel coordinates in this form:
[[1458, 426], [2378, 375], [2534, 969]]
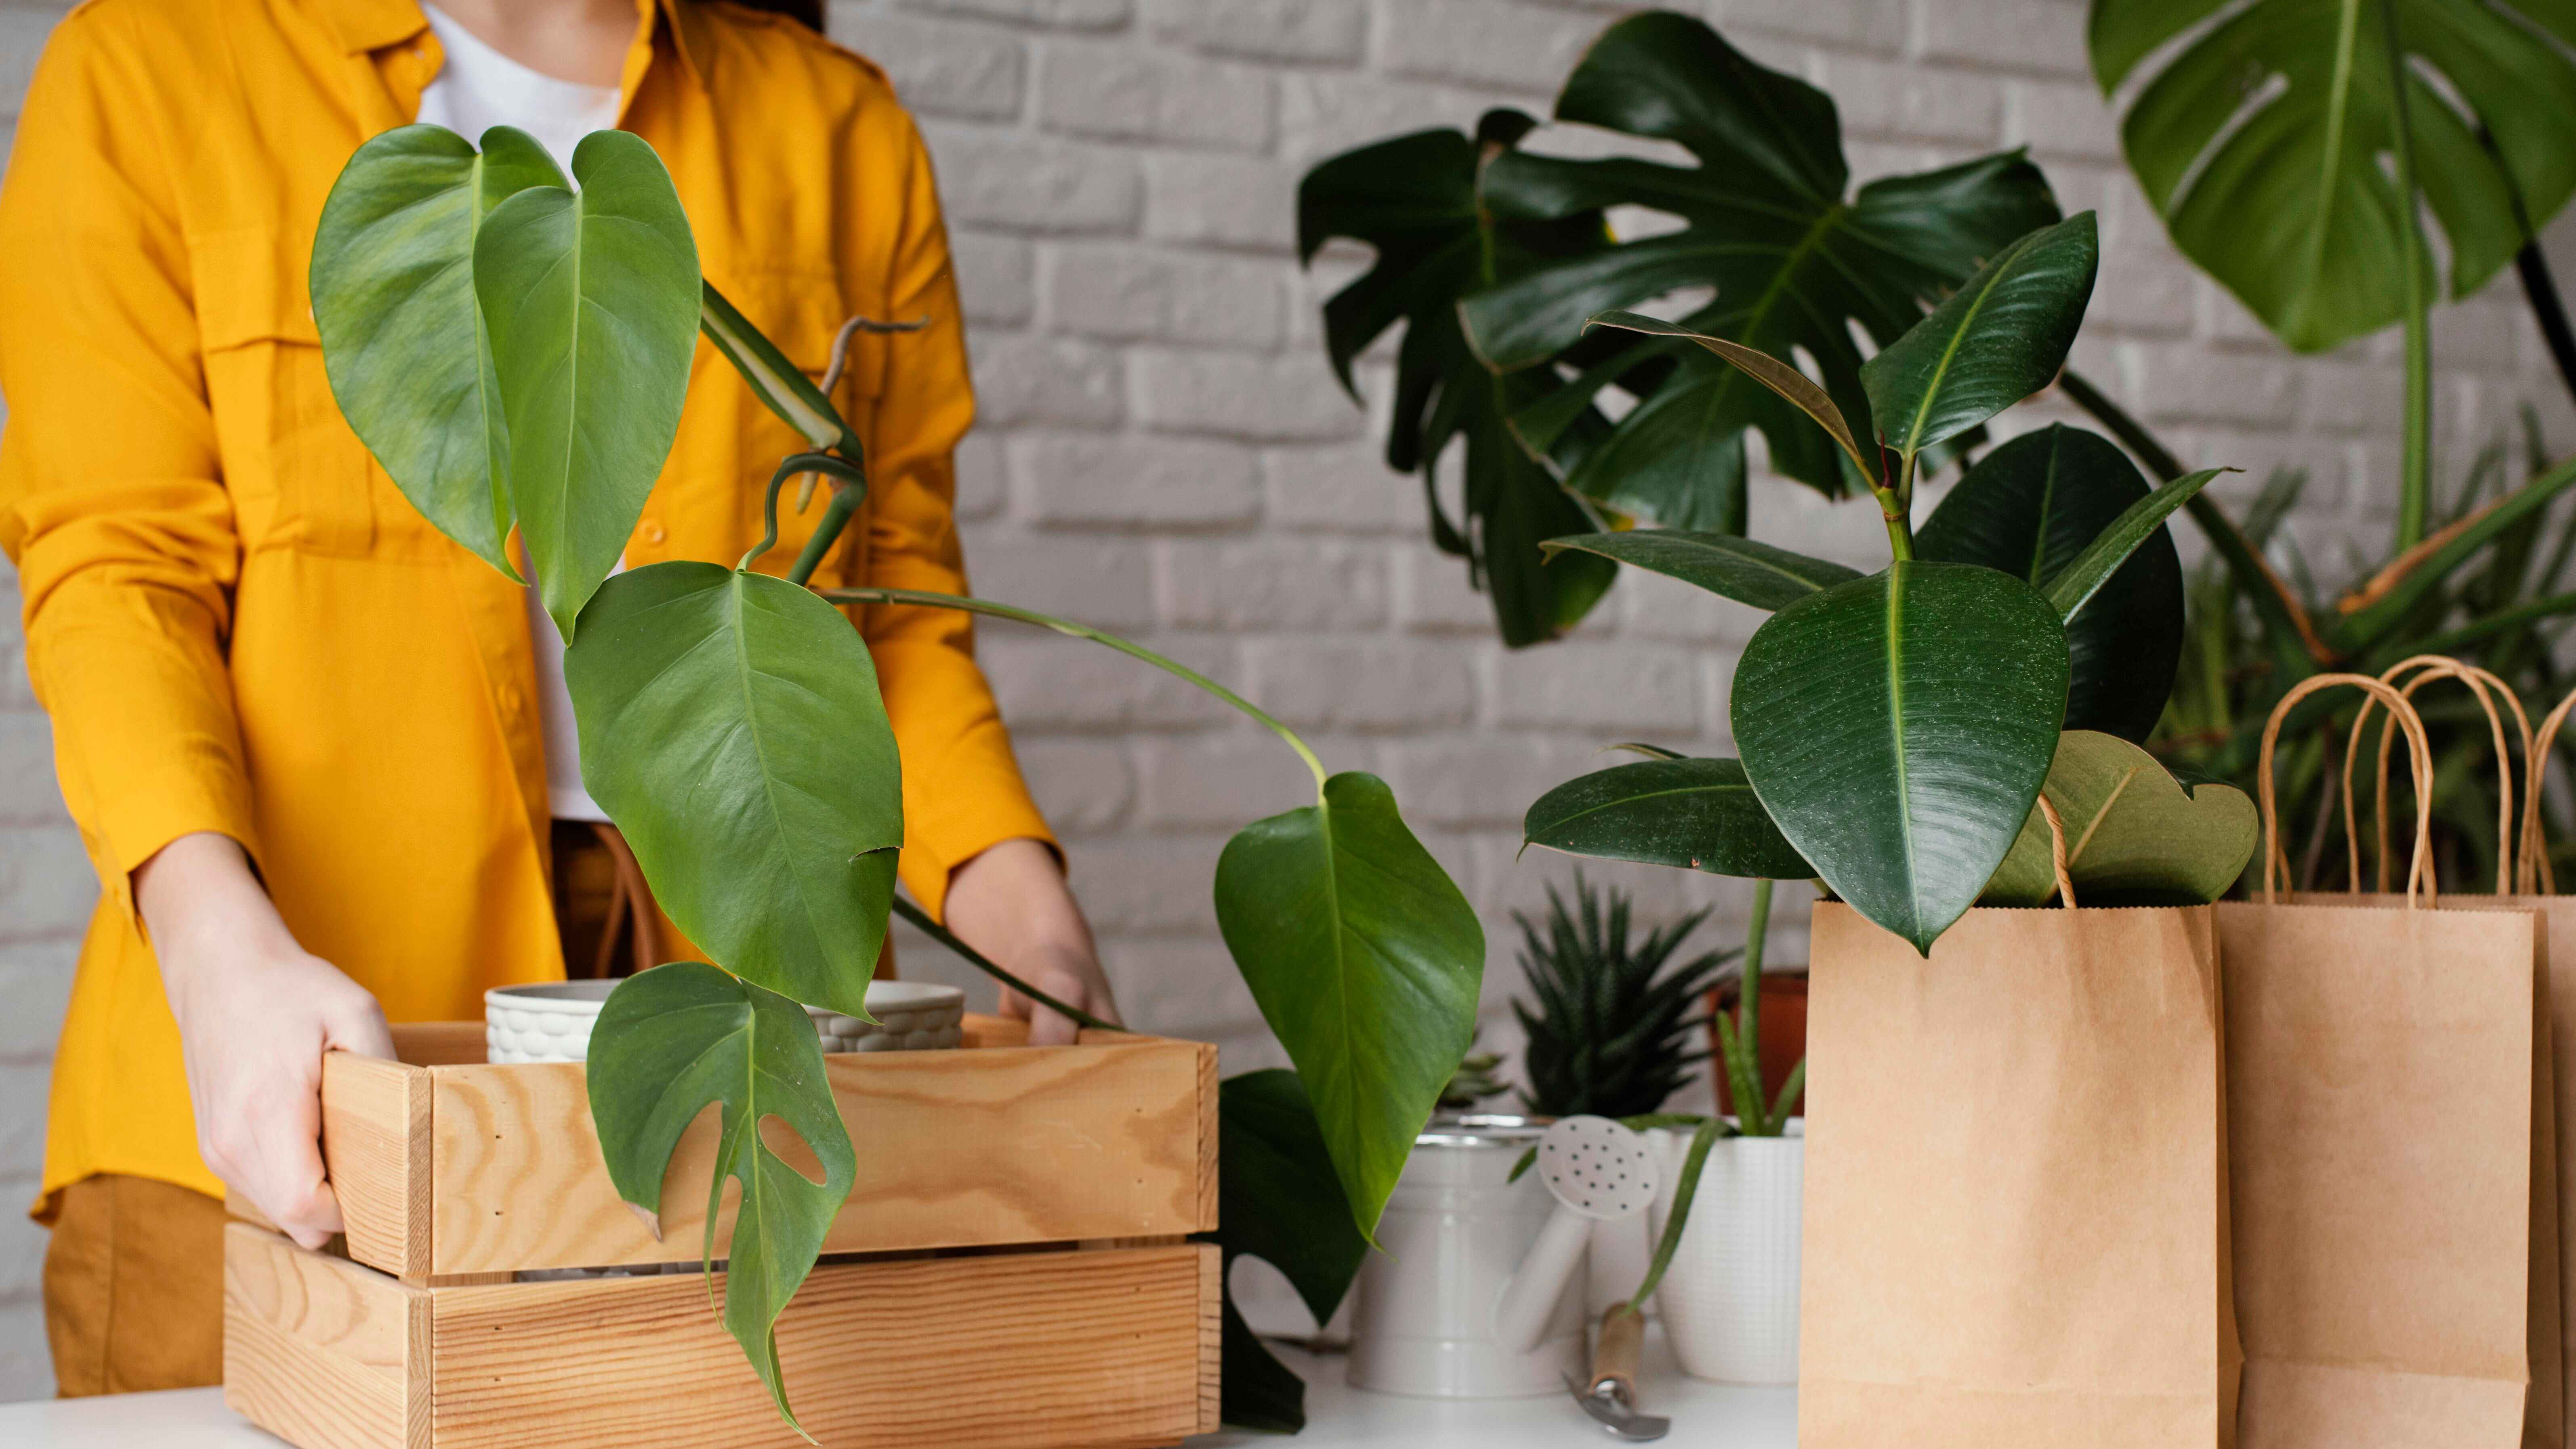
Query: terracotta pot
[[1783, 1030]]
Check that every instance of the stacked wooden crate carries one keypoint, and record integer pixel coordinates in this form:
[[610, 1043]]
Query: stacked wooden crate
[[1010, 1272]]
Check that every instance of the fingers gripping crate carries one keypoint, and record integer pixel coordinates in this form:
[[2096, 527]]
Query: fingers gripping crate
[[1009, 1272]]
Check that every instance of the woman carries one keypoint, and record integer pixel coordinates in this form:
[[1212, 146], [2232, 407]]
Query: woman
[[319, 757]]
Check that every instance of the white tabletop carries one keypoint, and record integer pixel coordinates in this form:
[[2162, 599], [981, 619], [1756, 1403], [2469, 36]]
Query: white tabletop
[[1705, 1416]]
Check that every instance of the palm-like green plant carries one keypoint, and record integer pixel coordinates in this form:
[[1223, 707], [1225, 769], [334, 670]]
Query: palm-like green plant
[[1611, 1028]]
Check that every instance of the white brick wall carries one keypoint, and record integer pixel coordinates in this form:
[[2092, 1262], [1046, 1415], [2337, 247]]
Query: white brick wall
[[1163, 449]]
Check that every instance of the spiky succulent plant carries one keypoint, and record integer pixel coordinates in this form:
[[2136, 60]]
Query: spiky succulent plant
[[1610, 1027]]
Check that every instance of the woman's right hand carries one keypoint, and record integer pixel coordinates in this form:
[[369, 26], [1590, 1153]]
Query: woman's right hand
[[255, 1012]]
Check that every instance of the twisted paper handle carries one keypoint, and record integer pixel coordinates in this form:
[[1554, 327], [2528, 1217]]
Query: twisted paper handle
[[2480, 682], [2419, 759]]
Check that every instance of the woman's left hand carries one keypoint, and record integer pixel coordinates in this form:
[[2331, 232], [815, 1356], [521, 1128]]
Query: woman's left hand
[[1011, 903]]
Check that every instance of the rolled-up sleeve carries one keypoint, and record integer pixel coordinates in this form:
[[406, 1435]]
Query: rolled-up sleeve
[[962, 789], [111, 499]]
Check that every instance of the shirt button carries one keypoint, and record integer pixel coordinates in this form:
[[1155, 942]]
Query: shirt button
[[511, 702], [653, 532]]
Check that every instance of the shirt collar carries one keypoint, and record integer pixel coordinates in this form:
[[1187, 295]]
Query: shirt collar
[[371, 25]]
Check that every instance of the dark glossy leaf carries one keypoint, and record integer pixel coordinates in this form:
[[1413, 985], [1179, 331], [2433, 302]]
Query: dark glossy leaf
[[1691, 814], [1731, 567], [591, 302], [1365, 960], [2263, 141], [402, 339], [1412, 200], [2032, 508], [676, 1038], [1278, 1196], [2135, 834], [705, 697], [1897, 729], [1258, 1391], [1998, 339], [1794, 259], [2073, 592]]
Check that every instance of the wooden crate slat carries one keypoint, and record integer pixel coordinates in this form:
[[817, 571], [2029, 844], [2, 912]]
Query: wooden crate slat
[[992, 1146], [376, 1139], [1019, 1351], [323, 1352]]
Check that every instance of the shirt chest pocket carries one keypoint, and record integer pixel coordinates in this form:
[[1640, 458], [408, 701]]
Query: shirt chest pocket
[[300, 479]]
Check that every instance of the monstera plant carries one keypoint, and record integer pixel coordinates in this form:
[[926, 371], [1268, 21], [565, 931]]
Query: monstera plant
[[515, 349], [1494, 256], [2293, 147]]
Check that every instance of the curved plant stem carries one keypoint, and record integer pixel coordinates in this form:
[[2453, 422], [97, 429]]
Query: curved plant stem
[[1684, 1192], [2414, 497], [839, 469], [845, 501], [2541, 290], [922, 922], [1083, 631]]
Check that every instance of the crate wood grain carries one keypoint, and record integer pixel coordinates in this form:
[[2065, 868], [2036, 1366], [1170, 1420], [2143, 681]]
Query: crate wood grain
[[1107, 1348], [453, 1173]]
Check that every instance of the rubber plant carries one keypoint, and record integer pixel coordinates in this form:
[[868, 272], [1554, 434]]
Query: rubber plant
[[1897, 728], [515, 348], [1493, 257]]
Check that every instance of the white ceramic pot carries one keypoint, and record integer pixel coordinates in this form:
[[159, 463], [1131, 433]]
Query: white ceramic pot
[[1730, 1298], [1455, 1230], [551, 1021]]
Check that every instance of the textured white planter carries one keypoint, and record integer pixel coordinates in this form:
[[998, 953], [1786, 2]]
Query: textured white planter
[[551, 1021], [1730, 1298], [1455, 1230]]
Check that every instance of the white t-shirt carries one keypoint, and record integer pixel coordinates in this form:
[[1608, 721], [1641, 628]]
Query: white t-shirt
[[477, 89]]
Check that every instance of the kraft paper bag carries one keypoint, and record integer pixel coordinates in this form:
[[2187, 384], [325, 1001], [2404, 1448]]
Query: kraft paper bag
[[2392, 1158], [2016, 1228]]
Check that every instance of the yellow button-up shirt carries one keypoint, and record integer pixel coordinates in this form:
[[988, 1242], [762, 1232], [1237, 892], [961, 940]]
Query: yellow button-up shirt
[[237, 622]]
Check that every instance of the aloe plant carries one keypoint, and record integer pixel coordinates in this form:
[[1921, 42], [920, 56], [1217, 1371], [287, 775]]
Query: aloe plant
[[516, 353]]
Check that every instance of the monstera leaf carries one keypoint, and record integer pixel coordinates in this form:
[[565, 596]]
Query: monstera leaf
[[1413, 200], [2030, 508], [591, 302], [1280, 1201], [1897, 728], [676, 1038], [1690, 814], [1365, 960], [402, 338], [2261, 139], [2135, 836], [1795, 262], [731, 726]]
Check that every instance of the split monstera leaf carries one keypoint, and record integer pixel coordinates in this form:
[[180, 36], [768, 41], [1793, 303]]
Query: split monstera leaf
[[1896, 728], [514, 346]]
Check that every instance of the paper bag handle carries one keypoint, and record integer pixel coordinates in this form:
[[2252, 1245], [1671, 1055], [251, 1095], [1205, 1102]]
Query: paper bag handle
[[2057, 851], [2537, 873], [2480, 682], [2419, 759]]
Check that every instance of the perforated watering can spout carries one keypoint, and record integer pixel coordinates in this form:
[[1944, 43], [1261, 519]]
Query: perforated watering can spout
[[1598, 1171]]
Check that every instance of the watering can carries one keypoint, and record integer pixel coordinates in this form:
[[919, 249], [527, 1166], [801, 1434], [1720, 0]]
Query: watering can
[[1474, 1295]]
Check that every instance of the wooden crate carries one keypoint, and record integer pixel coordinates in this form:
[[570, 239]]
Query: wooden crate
[[1008, 1273]]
